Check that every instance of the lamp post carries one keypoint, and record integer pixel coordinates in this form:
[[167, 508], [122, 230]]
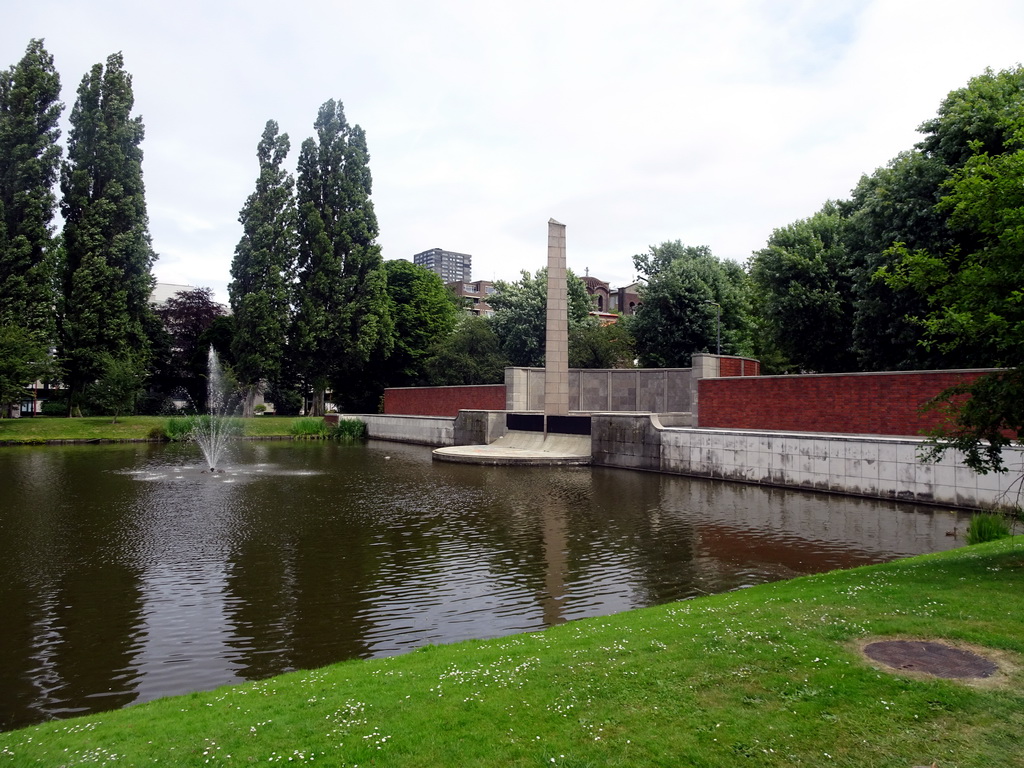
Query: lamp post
[[718, 324]]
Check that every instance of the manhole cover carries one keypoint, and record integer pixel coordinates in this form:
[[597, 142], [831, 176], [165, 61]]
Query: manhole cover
[[936, 659]]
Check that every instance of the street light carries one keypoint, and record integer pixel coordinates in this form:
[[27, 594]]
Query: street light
[[718, 322]]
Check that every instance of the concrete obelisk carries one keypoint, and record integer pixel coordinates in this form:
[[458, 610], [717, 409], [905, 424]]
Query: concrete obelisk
[[556, 351]]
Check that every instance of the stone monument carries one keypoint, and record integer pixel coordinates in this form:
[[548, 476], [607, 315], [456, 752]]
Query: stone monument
[[556, 354]]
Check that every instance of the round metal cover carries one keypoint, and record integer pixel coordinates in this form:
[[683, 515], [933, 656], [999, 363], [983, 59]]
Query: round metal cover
[[936, 659]]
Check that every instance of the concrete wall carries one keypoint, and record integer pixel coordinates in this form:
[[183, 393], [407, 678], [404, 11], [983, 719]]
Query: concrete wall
[[424, 430], [882, 467], [859, 403]]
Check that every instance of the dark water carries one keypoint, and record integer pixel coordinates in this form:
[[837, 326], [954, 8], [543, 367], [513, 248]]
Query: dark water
[[126, 574]]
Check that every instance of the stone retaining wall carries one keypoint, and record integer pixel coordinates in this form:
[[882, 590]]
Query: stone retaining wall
[[862, 465], [423, 430]]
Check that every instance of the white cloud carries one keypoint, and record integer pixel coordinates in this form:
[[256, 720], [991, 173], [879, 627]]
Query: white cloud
[[712, 123]]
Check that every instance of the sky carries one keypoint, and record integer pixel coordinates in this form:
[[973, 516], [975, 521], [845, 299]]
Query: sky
[[713, 123]]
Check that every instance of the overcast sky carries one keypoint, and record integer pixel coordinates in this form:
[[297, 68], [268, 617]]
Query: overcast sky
[[632, 123]]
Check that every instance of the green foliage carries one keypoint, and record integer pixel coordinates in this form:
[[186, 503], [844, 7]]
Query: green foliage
[[802, 285], [105, 267], [119, 386], [186, 318], [179, 428], [262, 268], [424, 312], [30, 110], [987, 527], [470, 354], [23, 360], [520, 314], [971, 289], [979, 420], [342, 314], [593, 345], [678, 316], [309, 428], [938, 227], [318, 429], [895, 203], [349, 430]]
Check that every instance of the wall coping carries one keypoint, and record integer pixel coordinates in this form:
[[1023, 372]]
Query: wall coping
[[455, 386], [856, 373]]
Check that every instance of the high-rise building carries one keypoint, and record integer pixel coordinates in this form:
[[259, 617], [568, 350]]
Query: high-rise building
[[452, 267]]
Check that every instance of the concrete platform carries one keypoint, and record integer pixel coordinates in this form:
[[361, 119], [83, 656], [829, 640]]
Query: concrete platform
[[524, 449]]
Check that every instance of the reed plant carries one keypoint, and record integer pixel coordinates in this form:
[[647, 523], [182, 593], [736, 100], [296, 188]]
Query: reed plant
[[182, 428], [318, 429], [309, 429], [987, 526]]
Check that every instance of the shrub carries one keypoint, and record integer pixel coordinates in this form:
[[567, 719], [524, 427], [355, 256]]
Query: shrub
[[987, 527], [318, 429], [56, 406], [349, 429], [309, 428], [179, 428], [158, 432]]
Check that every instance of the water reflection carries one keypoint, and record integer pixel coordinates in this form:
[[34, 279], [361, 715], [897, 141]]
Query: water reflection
[[126, 573]]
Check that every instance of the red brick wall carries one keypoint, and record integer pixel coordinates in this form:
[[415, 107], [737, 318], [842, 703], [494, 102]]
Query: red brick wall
[[738, 366], [443, 401], [866, 403]]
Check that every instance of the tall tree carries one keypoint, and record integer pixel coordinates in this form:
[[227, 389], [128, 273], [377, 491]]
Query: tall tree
[[900, 204], [424, 310], [186, 317], [803, 291], [974, 293], [30, 109], [342, 316], [678, 315], [262, 268], [105, 273], [23, 360], [894, 204], [520, 314]]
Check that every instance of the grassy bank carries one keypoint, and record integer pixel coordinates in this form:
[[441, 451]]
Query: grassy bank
[[768, 676], [41, 429]]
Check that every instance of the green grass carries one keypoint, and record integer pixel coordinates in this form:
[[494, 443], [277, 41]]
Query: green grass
[[768, 676], [40, 429]]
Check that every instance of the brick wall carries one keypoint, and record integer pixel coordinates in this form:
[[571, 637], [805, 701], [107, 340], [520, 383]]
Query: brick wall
[[443, 401], [738, 366], [862, 403]]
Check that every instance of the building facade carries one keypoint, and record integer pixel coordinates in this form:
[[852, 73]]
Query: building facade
[[451, 266], [474, 296]]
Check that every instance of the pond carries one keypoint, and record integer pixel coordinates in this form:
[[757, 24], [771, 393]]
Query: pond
[[127, 573]]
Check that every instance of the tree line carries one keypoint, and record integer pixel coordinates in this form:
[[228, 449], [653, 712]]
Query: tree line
[[921, 267]]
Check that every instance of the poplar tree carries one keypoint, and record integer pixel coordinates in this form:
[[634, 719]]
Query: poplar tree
[[105, 273], [262, 267], [343, 318], [30, 108]]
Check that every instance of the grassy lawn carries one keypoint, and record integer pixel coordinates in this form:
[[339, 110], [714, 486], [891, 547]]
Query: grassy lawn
[[768, 676], [43, 428]]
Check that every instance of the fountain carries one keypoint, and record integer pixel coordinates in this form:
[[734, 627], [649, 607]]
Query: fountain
[[214, 429]]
